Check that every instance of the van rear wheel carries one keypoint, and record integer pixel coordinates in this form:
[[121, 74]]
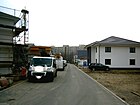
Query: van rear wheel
[[56, 73]]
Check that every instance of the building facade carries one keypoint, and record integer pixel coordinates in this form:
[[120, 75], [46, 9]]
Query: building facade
[[7, 23], [70, 53], [115, 52], [10, 51]]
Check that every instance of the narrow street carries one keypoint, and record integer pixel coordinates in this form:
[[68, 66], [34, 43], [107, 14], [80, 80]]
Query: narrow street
[[70, 87]]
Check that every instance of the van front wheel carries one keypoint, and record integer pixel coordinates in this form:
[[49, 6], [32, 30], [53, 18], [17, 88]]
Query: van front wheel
[[51, 77]]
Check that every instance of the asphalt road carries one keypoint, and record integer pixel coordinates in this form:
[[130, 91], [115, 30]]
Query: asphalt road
[[70, 87]]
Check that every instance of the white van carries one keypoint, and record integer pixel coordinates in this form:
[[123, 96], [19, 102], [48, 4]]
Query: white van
[[42, 68], [59, 64]]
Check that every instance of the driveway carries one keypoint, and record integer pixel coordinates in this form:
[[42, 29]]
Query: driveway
[[70, 87]]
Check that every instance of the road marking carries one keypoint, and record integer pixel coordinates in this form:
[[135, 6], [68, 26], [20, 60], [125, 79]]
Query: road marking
[[104, 87]]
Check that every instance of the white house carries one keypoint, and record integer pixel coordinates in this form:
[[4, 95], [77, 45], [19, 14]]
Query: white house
[[115, 52]]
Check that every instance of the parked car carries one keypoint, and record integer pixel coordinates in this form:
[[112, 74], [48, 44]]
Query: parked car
[[90, 66], [42, 68], [98, 66]]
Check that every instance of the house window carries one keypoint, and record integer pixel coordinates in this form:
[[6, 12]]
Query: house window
[[132, 62], [132, 49], [107, 49], [96, 49], [107, 61]]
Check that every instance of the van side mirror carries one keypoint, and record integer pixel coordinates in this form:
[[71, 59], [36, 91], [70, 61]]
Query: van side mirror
[[54, 65]]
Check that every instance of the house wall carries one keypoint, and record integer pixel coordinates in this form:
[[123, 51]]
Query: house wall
[[6, 53], [6, 35], [6, 58], [120, 57], [7, 21], [93, 56], [89, 55]]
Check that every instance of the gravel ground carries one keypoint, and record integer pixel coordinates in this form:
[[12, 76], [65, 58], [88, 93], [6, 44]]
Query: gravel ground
[[124, 83]]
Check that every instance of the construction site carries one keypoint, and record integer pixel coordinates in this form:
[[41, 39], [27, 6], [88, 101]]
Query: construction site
[[15, 51]]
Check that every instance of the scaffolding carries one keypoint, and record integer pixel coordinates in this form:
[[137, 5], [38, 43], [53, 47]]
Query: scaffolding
[[21, 28], [20, 39], [22, 32]]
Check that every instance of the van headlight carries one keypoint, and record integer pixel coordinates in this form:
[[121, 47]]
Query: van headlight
[[48, 69], [31, 68], [45, 68]]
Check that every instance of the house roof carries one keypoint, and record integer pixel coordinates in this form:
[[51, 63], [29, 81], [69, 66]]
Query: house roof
[[114, 41]]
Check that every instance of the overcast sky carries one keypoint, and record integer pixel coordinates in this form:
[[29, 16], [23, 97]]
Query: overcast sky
[[74, 22]]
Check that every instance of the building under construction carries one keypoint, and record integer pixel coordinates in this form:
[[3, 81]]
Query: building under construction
[[13, 38], [39, 51]]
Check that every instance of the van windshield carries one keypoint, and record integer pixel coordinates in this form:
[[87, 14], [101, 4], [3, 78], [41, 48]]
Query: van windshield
[[41, 62]]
